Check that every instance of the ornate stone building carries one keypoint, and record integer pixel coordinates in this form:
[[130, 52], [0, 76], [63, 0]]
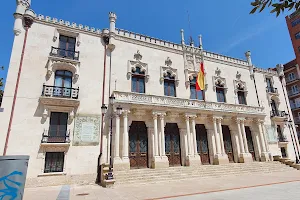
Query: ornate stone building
[[158, 118]]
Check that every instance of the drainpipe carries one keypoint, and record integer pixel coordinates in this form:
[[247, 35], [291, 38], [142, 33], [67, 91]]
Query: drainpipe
[[251, 69], [294, 141], [28, 18]]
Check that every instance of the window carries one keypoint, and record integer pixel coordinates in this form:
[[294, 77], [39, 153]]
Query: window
[[194, 93], [67, 46], [269, 83], [63, 83], [169, 85], [295, 22], [54, 162], [274, 108], [220, 90], [297, 35], [58, 127], [241, 95], [283, 152], [295, 89], [299, 49], [138, 81], [291, 76]]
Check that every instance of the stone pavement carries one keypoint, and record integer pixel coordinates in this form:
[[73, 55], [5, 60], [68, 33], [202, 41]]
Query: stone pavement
[[173, 190]]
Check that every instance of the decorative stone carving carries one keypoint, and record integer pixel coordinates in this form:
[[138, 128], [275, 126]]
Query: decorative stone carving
[[238, 75], [133, 64], [164, 101], [45, 113], [168, 62], [218, 71], [164, 70], [218, 80], [86, 130]]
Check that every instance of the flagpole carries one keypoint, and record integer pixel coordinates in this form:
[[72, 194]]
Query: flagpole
[[202, 60]]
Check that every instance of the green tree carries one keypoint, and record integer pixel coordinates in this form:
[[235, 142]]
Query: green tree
[[277, 5], [1, 83]]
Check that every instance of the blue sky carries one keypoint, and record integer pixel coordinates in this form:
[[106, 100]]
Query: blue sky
[[226, 26]]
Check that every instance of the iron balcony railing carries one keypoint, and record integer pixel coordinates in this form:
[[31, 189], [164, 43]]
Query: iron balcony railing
[[63, 53], [62, 92], [291, 92], [288, 79], [272, 90], [282, 138], [276, 113], [60, 137]]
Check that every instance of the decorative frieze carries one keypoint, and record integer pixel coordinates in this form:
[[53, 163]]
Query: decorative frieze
[[164, 101]]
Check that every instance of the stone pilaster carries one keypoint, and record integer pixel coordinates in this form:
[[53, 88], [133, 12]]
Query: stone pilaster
[[219, 158], [264, 154], [245, 156], [193, 157]]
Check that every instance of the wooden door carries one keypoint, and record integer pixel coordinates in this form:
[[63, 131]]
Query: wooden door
[[138, 145], [202, 143], [250, 142], [172, 144], [227, 143]]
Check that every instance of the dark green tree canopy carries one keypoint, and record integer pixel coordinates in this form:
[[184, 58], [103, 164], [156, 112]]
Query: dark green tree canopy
[[277, 5]]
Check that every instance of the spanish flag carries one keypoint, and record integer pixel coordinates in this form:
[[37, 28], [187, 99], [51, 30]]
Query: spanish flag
[[200, 83]]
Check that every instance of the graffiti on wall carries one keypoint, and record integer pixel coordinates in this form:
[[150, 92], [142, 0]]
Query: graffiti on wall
[[9, 187]]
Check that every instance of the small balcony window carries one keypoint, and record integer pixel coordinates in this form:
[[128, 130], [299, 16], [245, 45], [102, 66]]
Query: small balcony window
[[54, 162], [297, 35], [169, 85], [241, 96], [195, 94], [220, 90], [138, 81], [292, 76]]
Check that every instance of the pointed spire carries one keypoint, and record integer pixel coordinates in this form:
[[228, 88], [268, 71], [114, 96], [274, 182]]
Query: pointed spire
[[200, 41], [182, 37]]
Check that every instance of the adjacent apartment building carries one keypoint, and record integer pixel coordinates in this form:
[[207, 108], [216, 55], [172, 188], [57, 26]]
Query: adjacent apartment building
[[291, 69], [78, 84]]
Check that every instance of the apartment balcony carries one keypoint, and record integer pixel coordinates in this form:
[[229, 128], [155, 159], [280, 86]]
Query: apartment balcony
[[59, 96], [295, 106], [139, 101], [278, 115], [272, 90], [291, 80], [292, 93], [55, 143], [62, 53], [282, 138]]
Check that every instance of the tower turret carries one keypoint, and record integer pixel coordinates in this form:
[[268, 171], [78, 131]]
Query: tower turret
[[251, 68], [112, 30], [22, 6]]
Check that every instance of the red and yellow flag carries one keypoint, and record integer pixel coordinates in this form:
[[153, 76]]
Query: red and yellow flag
[[200, 83]]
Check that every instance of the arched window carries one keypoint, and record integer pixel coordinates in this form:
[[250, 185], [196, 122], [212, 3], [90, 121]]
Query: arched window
[[220, 90], [138, 81], [63, 83], [194, 93], [241, 95], [169, 85]]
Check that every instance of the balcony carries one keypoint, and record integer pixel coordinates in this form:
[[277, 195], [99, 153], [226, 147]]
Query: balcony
[[272, 90], [46, 138], [291, 80], [278, 115], [62, 53], [295, 106], [292, 93], [59, 96], [147, 101], [282, 138]]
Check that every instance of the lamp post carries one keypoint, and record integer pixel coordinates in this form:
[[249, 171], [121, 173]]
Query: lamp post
[[104, 109]]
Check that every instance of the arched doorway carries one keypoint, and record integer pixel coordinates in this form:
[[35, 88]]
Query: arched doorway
[[250, 142], [227, 143], [138, 145], [202, 143], [172, 142]]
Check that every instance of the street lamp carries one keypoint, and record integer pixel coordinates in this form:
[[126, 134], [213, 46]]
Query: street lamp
[[111, 116]]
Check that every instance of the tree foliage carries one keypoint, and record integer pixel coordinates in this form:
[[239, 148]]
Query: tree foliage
[[278, 5], [1, 83]]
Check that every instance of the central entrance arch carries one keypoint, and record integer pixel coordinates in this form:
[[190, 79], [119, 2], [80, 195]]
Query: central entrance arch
[[138, 145], [172, 144], [202, 143], [227, 143]]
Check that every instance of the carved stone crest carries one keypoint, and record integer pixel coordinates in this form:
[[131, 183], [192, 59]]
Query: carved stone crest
[[137, 56], [168, 62]]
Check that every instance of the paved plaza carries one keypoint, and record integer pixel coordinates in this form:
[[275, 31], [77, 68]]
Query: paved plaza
[[280, 185]]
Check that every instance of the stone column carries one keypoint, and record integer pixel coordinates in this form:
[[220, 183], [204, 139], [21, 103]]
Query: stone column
[[125, 135], [162, 129], [264, 154], [217, 137], [117, 140], [188, 133], [183, 146], [194, 136], [244, 136], [241, 143], [219, 120], [155, 135]]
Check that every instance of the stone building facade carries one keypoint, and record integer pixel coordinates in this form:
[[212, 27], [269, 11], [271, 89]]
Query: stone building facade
[[158, 118]]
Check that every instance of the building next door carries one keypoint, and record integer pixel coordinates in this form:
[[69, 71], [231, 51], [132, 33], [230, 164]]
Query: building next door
[[172, 144], [202, 143], [138, 145], [250, 142], [58, 127], [227, 143]]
